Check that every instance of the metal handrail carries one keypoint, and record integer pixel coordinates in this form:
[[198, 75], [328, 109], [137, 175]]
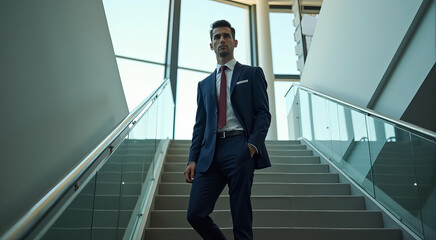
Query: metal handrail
[[22, 226], [408, 126]]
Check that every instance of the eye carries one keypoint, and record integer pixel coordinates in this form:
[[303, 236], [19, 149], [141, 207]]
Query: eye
[[216, 36]]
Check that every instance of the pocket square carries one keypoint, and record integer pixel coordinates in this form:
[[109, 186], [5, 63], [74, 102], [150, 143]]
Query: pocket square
[[243, 81]]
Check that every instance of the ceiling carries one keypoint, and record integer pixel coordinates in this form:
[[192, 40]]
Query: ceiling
[[315, 3]]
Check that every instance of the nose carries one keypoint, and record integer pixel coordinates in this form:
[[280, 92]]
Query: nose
[[222, 39]]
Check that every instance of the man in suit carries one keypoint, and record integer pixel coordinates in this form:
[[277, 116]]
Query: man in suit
[[228, 140]]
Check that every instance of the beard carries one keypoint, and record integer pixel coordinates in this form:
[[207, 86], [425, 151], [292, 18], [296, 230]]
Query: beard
[[224, 54]]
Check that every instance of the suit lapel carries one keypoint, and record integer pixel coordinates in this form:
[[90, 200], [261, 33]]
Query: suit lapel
[[212, 86], [235, 77]]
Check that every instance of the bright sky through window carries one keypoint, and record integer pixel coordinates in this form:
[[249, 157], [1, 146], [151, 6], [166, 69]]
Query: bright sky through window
[[138, 30]]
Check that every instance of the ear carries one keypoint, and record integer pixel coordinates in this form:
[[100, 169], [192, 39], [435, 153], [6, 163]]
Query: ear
[[211, 46], [236, 43]]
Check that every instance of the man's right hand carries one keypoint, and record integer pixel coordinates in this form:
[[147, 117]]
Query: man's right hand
[[190, 172]]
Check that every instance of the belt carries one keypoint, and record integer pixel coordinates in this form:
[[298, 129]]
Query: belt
[[229, 134]]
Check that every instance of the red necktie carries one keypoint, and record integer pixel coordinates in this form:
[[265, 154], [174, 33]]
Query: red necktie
[[223, 96]]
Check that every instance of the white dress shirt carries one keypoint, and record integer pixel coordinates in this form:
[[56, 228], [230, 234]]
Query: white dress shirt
[[232, 123]]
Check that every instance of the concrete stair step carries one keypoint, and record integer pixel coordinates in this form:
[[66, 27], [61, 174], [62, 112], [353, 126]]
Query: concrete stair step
[[289, 152], [179, 146], [180, 202], [183, 158], [297, 168], [269, 189], [292, 150], [285, 147], [278, 142], [265, 233], [272, 144], [296, 198], [294, 160], [279, 218], [177, 177], [285, 168], [296, 177], [183, 141]]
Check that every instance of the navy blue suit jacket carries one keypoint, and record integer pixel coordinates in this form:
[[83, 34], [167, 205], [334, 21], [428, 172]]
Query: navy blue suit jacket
[[249, 99]]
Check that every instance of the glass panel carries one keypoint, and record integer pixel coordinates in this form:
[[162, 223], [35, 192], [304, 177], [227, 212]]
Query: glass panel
[[306, 115], [194, 49], [355, 150], [66, 226], [424, 153], [107, 196], [395, 166], [139, 80], [186, 102], [139, 167], [165, 127], [394, 173], [290, 98], [322, 138], [138, 28], [280, 89], [282, 43], [108, 205], [293, 113], [335, 133]]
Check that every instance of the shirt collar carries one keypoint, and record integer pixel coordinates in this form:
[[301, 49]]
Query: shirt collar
[[230, 65]]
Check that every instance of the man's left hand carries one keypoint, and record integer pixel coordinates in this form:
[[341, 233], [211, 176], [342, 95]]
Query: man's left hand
[[252, 150]]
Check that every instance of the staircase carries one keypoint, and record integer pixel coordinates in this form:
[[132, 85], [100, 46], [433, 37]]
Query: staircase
[[296, 198]]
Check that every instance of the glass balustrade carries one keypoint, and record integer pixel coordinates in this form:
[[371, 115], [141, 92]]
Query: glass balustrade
[[110, 204], [392, 164]]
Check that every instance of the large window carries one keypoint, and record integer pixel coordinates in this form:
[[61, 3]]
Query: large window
[[282, 43], [138, 30], [186, 102], [195, 54], [139, 79], [284, 63]]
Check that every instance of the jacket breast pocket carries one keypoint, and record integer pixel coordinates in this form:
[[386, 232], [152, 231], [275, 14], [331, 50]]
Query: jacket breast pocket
[[242, 82]]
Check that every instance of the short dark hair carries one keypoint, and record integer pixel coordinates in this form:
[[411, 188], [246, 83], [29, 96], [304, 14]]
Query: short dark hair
[[221, 23]]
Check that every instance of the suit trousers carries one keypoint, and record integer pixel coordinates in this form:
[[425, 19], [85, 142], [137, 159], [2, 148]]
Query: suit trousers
[[232, 165]]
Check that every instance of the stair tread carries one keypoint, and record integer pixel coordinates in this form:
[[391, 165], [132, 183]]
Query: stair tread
[[303, 199], [188, 228], [278, 211]]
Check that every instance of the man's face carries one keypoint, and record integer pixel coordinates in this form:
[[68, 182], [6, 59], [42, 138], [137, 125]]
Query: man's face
[[222, 42]]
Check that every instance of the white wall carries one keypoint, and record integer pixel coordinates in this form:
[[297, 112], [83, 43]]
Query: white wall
[[412, 69], [353, 45], [60, 94]]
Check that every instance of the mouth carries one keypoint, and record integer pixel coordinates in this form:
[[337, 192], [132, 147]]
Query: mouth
[[221, 47]]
